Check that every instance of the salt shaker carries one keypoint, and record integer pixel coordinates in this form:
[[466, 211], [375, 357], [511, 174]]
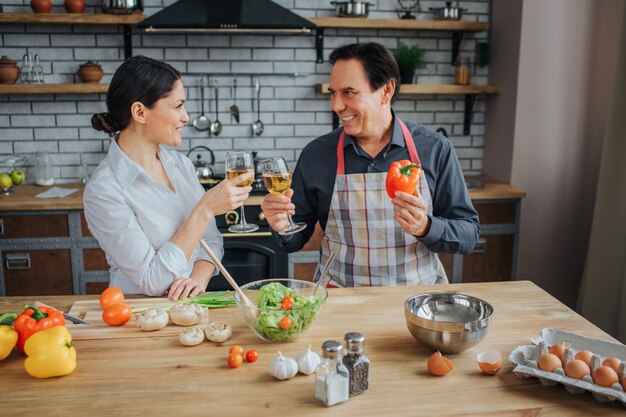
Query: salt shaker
[[331, 376], [357, 363]]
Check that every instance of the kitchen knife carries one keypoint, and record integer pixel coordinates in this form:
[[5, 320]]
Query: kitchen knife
[[69, 317]]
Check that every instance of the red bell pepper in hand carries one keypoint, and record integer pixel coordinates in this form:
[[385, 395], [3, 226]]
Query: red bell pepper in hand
[[35, 319], [403, 176]]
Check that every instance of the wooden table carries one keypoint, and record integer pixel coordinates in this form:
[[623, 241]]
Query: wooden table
[[154, 375]]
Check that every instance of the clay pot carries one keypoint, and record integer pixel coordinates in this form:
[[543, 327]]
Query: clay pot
[[41, 6], [9, 71], [90, 72], [74, 6]]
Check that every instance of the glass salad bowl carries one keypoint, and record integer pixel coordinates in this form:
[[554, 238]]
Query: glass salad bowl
[[284, 309]]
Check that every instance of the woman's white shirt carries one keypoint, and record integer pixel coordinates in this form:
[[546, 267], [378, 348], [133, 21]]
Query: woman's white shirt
[[133, 217]]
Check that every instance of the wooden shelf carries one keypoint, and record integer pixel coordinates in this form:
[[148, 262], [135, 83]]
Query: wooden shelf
[[400, 24], [87, 88], [407, 89], [72, 18]]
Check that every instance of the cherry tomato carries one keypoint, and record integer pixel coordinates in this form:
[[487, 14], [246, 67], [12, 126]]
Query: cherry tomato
[[237, 349], [288, 299], [285, 322], [286, 305], [110, 297], [252, 355], [116, 315], [235, 360]]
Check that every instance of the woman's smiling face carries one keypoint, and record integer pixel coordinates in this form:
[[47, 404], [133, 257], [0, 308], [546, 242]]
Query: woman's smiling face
[[361, 110], [166, 119]]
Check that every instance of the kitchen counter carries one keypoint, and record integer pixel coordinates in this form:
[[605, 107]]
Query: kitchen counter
[[23, 198], [152, 374]]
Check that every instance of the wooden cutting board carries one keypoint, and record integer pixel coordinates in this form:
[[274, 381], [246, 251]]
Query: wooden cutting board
[[91, 312]]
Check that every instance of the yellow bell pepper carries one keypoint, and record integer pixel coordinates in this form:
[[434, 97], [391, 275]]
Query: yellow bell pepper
[[8, 336], [50, 353]]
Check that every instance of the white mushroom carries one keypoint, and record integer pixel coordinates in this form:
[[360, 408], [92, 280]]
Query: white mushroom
[[152, 319], [191, 336], [218, 331], [188, 314]]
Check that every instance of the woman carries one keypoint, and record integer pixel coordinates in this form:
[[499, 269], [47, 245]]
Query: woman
[[144, 203]]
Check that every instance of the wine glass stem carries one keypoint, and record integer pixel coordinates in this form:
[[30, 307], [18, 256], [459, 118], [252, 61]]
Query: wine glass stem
[[290, 221], [243, 216]]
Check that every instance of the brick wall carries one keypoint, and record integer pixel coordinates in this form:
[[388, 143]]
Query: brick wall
[[291, 109]]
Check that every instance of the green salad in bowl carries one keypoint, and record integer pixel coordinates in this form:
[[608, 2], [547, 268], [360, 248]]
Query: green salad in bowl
[[284, 308]]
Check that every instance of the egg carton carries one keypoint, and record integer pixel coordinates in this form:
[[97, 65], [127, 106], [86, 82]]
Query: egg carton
[[526, 356]]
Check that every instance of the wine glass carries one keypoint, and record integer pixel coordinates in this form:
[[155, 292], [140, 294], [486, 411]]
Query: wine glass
[[237, 163], [277, 180]]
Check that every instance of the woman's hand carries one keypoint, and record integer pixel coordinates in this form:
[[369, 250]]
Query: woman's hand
[[276, 207], [410, 212], [184, 287], [226, 196]]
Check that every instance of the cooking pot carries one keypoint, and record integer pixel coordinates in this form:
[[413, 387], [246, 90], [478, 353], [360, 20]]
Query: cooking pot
[[121, 6], [449, 12], [351, 8], [204, 169]]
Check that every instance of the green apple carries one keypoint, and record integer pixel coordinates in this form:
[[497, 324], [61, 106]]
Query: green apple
[[5, 180], [18, 176]]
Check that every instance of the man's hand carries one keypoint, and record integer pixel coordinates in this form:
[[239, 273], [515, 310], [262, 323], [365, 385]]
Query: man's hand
[[276, 207], [410, 212]]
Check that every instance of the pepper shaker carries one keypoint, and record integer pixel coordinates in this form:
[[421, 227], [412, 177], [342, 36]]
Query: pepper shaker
[[357, 363], [331, 376]]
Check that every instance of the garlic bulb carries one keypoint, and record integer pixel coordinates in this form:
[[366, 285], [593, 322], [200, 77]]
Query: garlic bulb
[[283, 367], [191, 336], [307, 361]]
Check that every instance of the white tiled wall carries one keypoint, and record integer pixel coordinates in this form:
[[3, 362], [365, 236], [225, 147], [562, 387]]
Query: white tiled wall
[[291, 109]]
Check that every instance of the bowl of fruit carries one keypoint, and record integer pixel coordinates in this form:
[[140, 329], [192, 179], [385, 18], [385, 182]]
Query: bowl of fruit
[[12, 173]]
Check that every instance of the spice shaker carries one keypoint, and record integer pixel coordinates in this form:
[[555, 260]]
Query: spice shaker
[[357, 363], [331, 376]]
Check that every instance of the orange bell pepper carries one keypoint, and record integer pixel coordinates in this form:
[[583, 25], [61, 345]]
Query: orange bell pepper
[[403, 176], [35, 319]]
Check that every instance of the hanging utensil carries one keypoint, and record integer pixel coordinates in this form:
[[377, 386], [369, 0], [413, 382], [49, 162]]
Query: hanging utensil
[[234, 110], [323, 281], [202, 122], [257, 127], [216, 126]]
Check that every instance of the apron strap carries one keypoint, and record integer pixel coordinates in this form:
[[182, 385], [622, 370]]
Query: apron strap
[[408, 140]]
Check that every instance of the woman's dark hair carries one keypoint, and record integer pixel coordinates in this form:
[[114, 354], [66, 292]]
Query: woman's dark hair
[[141, 79], [379, 64]]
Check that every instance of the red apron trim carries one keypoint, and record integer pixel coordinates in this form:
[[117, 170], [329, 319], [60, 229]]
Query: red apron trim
[[408, 140]]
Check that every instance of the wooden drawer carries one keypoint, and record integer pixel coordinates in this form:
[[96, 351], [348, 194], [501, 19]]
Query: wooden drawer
[[496, 213], [491, 260], [37, 272], [26, 226], [95, 260], [95, 287]]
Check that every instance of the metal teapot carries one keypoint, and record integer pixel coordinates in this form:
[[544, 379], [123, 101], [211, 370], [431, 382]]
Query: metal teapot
[[204, 170]]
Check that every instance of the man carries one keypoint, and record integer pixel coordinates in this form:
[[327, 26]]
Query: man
[[340, 181]]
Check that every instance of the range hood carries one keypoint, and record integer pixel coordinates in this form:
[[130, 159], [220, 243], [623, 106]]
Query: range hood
[[230, 16]]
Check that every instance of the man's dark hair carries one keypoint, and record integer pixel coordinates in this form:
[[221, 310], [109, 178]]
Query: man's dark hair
[[379, 64]]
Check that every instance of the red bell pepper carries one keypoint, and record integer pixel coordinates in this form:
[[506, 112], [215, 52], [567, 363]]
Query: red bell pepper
[[35, 319], [403, 176]]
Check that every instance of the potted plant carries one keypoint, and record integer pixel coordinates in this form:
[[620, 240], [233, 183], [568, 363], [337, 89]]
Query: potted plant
[[409, 58]]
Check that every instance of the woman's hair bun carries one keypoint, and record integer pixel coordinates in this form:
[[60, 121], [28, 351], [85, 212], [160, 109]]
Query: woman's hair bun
[[104, 122]]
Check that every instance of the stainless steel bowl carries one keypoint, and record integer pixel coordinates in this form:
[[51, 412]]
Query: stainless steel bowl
[[448, 322], [121, 6], [351, 8]]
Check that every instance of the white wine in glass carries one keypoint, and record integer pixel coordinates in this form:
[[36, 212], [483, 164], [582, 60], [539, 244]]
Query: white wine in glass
[[238, 163], [277, 180]]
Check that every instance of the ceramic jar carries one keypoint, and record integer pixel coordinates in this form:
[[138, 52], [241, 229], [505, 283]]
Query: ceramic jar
[[90, 72], [9, 71], [74, 6], [41, 6]]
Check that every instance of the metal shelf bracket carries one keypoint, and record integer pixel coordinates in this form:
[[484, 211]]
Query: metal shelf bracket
[[319, 45], [128, 42], [469, 107], [457, 37]]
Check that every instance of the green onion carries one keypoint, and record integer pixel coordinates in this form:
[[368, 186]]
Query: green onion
[[214, 299]]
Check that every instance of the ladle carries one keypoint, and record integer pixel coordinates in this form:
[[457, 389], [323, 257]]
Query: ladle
[[257, 127], [229, 278], [323, 281], [234, 110], [202, 122], [216, 126]]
